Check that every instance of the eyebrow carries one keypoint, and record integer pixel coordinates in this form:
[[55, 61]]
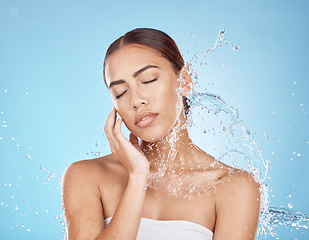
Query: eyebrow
[[143, 69], [116, 82], [134, 75]]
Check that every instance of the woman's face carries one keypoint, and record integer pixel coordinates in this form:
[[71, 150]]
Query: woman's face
[[143, 86]]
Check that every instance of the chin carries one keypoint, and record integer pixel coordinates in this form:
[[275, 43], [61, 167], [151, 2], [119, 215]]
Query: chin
[[152, 134], [149, 136]]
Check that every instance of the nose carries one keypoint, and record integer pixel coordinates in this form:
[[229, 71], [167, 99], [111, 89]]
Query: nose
[[138, 99]]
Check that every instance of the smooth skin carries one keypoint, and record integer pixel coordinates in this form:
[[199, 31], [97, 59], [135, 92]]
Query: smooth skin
[[115, 185]]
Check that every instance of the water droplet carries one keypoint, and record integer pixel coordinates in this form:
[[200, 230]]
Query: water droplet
[[290, 205]]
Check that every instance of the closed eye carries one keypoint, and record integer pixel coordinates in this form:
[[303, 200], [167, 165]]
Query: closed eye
[[118, 96], [153, 80]]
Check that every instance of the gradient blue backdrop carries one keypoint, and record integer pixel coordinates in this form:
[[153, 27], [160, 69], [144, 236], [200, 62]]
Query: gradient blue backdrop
[[53, 102]]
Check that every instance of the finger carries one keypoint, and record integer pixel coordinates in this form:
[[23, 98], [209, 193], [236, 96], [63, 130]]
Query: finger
[[110, 122], [117, 131], [122, 141], [109, 127]]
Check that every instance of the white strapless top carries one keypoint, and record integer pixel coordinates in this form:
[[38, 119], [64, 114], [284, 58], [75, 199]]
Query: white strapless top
[[151, 229]]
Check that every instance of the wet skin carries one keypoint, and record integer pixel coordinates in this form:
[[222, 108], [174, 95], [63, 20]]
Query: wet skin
[[143, 87]]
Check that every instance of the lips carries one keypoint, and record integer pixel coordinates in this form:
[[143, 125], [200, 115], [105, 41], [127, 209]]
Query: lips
[[144, 119]]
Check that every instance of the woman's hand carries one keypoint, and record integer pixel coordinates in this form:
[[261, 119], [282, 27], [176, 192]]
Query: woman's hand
[[128, 152]]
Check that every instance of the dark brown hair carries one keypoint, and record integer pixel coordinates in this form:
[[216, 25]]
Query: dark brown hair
[[163, 44]]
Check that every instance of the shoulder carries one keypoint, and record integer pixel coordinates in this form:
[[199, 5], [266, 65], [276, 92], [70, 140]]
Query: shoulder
[[83, 182], [90, 171], [82, 196], [238, 202], [238, 184], [79, 169], [238, 193]]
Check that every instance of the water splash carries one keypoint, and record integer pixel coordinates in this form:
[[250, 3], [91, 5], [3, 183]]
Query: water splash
[[49, 176], [283, 216], [240, 144], [246, 146], [168, 156], [220, 41], [218, 44]]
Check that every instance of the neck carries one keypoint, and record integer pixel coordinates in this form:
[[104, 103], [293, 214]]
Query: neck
[[175, 152]]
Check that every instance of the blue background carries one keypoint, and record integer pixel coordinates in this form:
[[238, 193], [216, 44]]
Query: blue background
[[53, 102]]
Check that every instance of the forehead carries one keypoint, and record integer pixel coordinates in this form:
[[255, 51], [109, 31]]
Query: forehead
[[130, 58]]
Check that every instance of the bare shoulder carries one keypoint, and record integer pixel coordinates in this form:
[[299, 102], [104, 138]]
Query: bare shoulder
[[82, 185], [90, 171], [238, 195], [238, 183], [237, 206], [95, 177]]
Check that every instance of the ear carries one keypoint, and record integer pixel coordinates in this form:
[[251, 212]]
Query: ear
[[185, 82]]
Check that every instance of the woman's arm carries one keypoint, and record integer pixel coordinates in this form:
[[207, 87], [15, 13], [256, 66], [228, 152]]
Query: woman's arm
[[237, 207], [83, 209], [81, 202], [82, 198]]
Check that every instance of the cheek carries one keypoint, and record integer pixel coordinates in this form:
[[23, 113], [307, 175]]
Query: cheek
[[122, 110], [168, 97], [121, 104], [166, 89]]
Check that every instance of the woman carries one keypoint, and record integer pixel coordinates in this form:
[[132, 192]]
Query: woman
[[157, 184]]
